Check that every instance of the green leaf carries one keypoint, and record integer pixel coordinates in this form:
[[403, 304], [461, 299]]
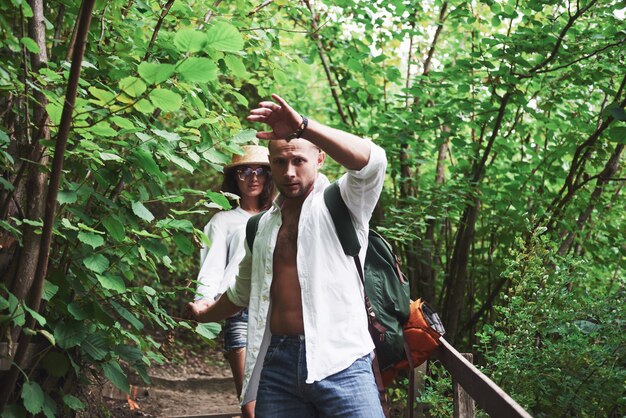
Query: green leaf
[[240, 98], [617, 112], [144, 106], [87, 228], [93, 240], [5, 184], [104, 97], [144, 160], [114, 373], [17, 312], [114, 227], [107, 156], [166, 100], [169, 136], [177, 224], [244, 136], [617, 134], [219, 199], [141, 211], [127, 315], [123, 123], [54, 111], [36, 316], [155, 73], [77, 311], [111, 282], [56, 363], [132, 86], [4, 138], [67, 196], [103, 129], [180, 162], [73, 402], [69, 334], [48, 336], [49, 406], [199, 70], [27, 11], [224, 37], [184, 244], [33, 397], [97, 263], [96, 346], [209, 330], [189, 40], [30, 45], [280, 77], [236, 66], [216, 156], [129, 353], [49, 290]]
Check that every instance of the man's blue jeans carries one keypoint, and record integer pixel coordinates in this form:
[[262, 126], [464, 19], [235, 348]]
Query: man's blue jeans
[[284, 393]]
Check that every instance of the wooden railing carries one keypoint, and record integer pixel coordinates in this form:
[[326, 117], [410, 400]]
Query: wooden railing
[[487, 395]]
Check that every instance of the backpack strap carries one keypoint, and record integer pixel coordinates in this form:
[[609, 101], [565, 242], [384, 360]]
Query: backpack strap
[[251, 227], [350, 243], [342, 220], [346, 233]]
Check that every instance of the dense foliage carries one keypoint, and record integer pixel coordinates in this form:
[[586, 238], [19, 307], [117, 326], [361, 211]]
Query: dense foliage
[[503, 122]]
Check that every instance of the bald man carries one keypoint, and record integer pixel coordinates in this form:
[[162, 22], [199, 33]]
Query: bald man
[[309, 351]]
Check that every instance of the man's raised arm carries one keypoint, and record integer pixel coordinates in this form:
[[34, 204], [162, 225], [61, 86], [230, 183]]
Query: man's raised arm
[[347, 149]]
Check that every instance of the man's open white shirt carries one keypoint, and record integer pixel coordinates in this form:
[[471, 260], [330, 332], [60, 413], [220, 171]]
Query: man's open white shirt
[[335, 321]]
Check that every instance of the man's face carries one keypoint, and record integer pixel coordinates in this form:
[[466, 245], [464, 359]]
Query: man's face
[[294, 166]]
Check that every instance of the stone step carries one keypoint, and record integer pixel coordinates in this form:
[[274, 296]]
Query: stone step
[[235, 414], [217, 384]]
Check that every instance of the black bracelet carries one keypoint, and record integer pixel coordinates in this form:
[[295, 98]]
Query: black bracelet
[[298, 133]]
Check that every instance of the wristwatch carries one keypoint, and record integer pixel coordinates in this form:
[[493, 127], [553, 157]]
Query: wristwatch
[[298, 133]]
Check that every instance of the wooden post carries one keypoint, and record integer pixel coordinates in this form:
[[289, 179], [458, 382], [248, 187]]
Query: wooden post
[[463, 402], [419, 374]]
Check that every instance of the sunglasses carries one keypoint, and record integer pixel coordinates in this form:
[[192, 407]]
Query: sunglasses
[[244, 173]]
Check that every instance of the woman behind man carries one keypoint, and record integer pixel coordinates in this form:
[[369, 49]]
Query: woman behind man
[[248, 177]]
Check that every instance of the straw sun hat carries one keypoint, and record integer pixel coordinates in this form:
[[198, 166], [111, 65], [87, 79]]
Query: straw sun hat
[[252, 154]]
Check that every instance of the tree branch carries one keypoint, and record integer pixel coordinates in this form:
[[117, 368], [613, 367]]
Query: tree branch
[[570, 22], [261, 6], [209, 15], [433, 44], [164, 13], [329, 77]]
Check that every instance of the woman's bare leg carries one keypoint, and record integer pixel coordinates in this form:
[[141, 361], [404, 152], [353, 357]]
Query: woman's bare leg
[[236, 360]]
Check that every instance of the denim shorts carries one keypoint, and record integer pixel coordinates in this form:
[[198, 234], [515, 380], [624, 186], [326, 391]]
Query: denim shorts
[[283, 391], [236, 330]]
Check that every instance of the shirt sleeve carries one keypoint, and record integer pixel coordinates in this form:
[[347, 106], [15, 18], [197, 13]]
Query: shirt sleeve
[[239, 292], [360, 189], [213, 261]]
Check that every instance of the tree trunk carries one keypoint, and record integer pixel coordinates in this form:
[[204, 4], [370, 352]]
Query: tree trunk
[[611, 167], [457, 274], [34, 187], [35, 294]]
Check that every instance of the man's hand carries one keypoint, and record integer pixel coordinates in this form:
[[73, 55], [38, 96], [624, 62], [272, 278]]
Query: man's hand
[[281, 117], [196, 309]]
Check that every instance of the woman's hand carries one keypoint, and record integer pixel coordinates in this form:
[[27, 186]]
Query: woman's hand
[[196, 309]]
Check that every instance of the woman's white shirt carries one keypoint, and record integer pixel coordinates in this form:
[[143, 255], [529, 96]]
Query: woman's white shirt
[[219, 263]]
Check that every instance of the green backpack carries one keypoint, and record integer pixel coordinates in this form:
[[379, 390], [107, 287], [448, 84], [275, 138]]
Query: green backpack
[[386, 289]]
